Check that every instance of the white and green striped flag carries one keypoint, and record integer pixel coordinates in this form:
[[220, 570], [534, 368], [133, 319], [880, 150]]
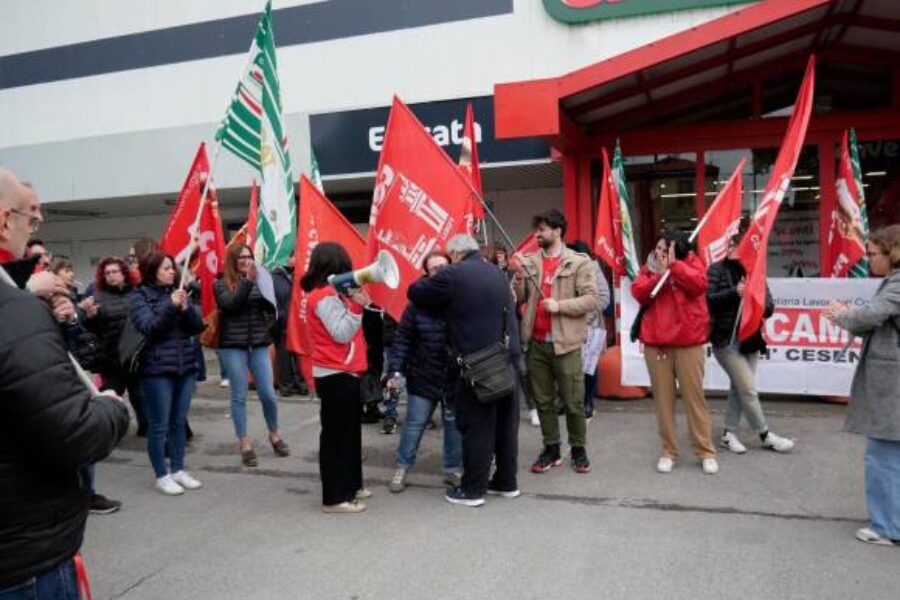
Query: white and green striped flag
[[253, 130], [314, 174], [861, 268], [632, 265]]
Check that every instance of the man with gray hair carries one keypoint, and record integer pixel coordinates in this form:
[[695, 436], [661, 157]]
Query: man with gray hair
[[51, 425], [476, 302]]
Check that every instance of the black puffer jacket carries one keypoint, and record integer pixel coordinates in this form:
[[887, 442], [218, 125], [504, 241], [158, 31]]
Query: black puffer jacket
[[50, 429], [109, 322], [419, 351], [723, 302], [246, 317]]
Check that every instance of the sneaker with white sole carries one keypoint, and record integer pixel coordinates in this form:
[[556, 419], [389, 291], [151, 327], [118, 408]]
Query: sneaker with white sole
[[534, 418], [777, 443], [166, 485], [665, 464], [870, 537], [731, 442], [398, 481], [457, 496], [710, 466], [504, 493], [224, 383], [344, 508], [185, 480]]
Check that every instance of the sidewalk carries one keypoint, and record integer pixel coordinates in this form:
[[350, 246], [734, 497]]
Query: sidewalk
[[767, 525]]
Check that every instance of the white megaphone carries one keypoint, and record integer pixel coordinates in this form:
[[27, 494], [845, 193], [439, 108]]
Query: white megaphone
[[383, 270]]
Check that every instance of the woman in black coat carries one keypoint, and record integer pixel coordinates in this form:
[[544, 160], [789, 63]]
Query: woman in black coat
[[112, 294]]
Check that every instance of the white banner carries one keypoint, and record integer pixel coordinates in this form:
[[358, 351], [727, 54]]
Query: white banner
[[804, 355]]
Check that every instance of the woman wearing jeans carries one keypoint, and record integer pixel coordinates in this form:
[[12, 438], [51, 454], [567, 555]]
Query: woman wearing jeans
[[162, 312], [723, 296], [246, 318], [334, 326], [875, 409], [419, 352]]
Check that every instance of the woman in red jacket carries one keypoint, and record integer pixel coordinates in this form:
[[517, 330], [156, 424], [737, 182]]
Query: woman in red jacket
[[334, 326], [674, 331]]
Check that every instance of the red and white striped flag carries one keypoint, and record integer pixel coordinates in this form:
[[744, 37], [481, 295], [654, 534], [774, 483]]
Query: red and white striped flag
[[722, 220]]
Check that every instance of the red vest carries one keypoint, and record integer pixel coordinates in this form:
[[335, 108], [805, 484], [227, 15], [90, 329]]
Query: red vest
[[326, 352]]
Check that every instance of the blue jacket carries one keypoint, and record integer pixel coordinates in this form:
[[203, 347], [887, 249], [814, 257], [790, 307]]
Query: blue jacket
[[419, 351], [471, 296], [169, 349]]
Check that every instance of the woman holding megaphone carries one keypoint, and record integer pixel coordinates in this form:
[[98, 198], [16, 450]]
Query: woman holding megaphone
[[338, 358]]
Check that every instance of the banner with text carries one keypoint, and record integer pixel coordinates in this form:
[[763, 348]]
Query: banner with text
[[805, 351]]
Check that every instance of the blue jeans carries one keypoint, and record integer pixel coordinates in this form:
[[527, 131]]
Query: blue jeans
[[167, 399], [882, 462], [418, 411], [742, 395], [57, 584], [236, 362]]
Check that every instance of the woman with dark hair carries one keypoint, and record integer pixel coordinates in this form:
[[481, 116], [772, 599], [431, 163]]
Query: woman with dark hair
[[419, 357], [875, 409], [338, 359], [246, 318], [725, 292], [162, 312], [113, 289], [674, 330]]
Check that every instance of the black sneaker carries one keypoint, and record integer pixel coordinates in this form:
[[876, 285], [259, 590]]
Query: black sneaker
[[548, 459], [457, 496], [101, 505], [580, 461], [389, 426]]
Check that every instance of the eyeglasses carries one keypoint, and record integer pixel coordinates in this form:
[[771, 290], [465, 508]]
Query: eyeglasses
[[33, 221], [245, 257]]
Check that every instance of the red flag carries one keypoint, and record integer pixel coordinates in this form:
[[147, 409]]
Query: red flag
[[420, 201], [176, 238], [845, 238], [722, 220], [318, 219], [252, 217], [468, 164], [608, 238], [211, 255], [754, 247]]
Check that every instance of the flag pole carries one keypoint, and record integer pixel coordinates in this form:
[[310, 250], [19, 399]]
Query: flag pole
[[737, 321]]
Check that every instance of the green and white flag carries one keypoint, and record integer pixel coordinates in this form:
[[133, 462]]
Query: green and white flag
[[632, 265], [314, 175], [861, 268], [253, 130]]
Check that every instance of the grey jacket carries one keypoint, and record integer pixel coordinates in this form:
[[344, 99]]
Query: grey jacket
[[874, 410]]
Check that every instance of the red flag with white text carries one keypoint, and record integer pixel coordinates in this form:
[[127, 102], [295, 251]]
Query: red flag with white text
[[722, 220], [421, 199], [176, 238], [753, 249], [468, 163], [608, 229], [318, 220]]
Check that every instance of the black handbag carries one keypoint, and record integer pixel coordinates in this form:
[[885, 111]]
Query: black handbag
[[636, 325], [489, 371], [131, 344]]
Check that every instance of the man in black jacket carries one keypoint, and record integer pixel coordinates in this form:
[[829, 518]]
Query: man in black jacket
[[474, 299], [51, 427], [290, 380]]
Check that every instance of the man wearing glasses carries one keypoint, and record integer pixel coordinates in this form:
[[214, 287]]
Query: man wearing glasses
[[51, 426]]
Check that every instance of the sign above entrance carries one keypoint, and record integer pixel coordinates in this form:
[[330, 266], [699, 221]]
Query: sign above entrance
[[582, 11]]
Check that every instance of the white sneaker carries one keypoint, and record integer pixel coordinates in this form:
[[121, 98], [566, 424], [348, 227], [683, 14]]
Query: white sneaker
[[535, 419], [710, 466], [224, 383], [778, 443], [731, 442], [870, 537], [166, 485], [398, 481], [665, 465], [185, 480]]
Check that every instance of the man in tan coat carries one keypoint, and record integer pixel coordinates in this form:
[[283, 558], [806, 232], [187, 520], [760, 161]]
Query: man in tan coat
[[553, 330]]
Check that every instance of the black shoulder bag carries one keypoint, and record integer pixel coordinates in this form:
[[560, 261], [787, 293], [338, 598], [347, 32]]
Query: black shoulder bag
[[131, 343], [489, 371]]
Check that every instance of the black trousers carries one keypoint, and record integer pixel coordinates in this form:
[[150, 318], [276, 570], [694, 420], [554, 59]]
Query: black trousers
[[119, 382], [488, 431], [340, 442], [289, 376]]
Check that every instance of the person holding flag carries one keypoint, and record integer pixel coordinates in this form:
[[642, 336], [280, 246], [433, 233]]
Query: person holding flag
[[727, 285], [673, 326], [245, 296]]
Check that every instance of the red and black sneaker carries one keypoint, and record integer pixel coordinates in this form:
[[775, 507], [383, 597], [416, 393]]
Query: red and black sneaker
[[548, 459], [580, 461]]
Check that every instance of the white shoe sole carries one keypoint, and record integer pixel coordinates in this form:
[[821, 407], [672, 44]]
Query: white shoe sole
[[465, 501], [169, 492], [870, 537], [512, 494], [732, 449]]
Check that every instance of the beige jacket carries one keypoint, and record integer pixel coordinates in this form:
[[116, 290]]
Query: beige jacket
[[574, 287]]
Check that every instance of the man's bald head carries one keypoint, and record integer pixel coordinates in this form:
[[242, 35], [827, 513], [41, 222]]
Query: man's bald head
[[20, 213], [8, 185]]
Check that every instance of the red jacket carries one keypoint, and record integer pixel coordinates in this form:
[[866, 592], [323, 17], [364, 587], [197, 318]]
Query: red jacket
[[678, 316], [347, 356]]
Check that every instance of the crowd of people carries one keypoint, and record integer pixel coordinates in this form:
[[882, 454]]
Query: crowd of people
[[481, 336]]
